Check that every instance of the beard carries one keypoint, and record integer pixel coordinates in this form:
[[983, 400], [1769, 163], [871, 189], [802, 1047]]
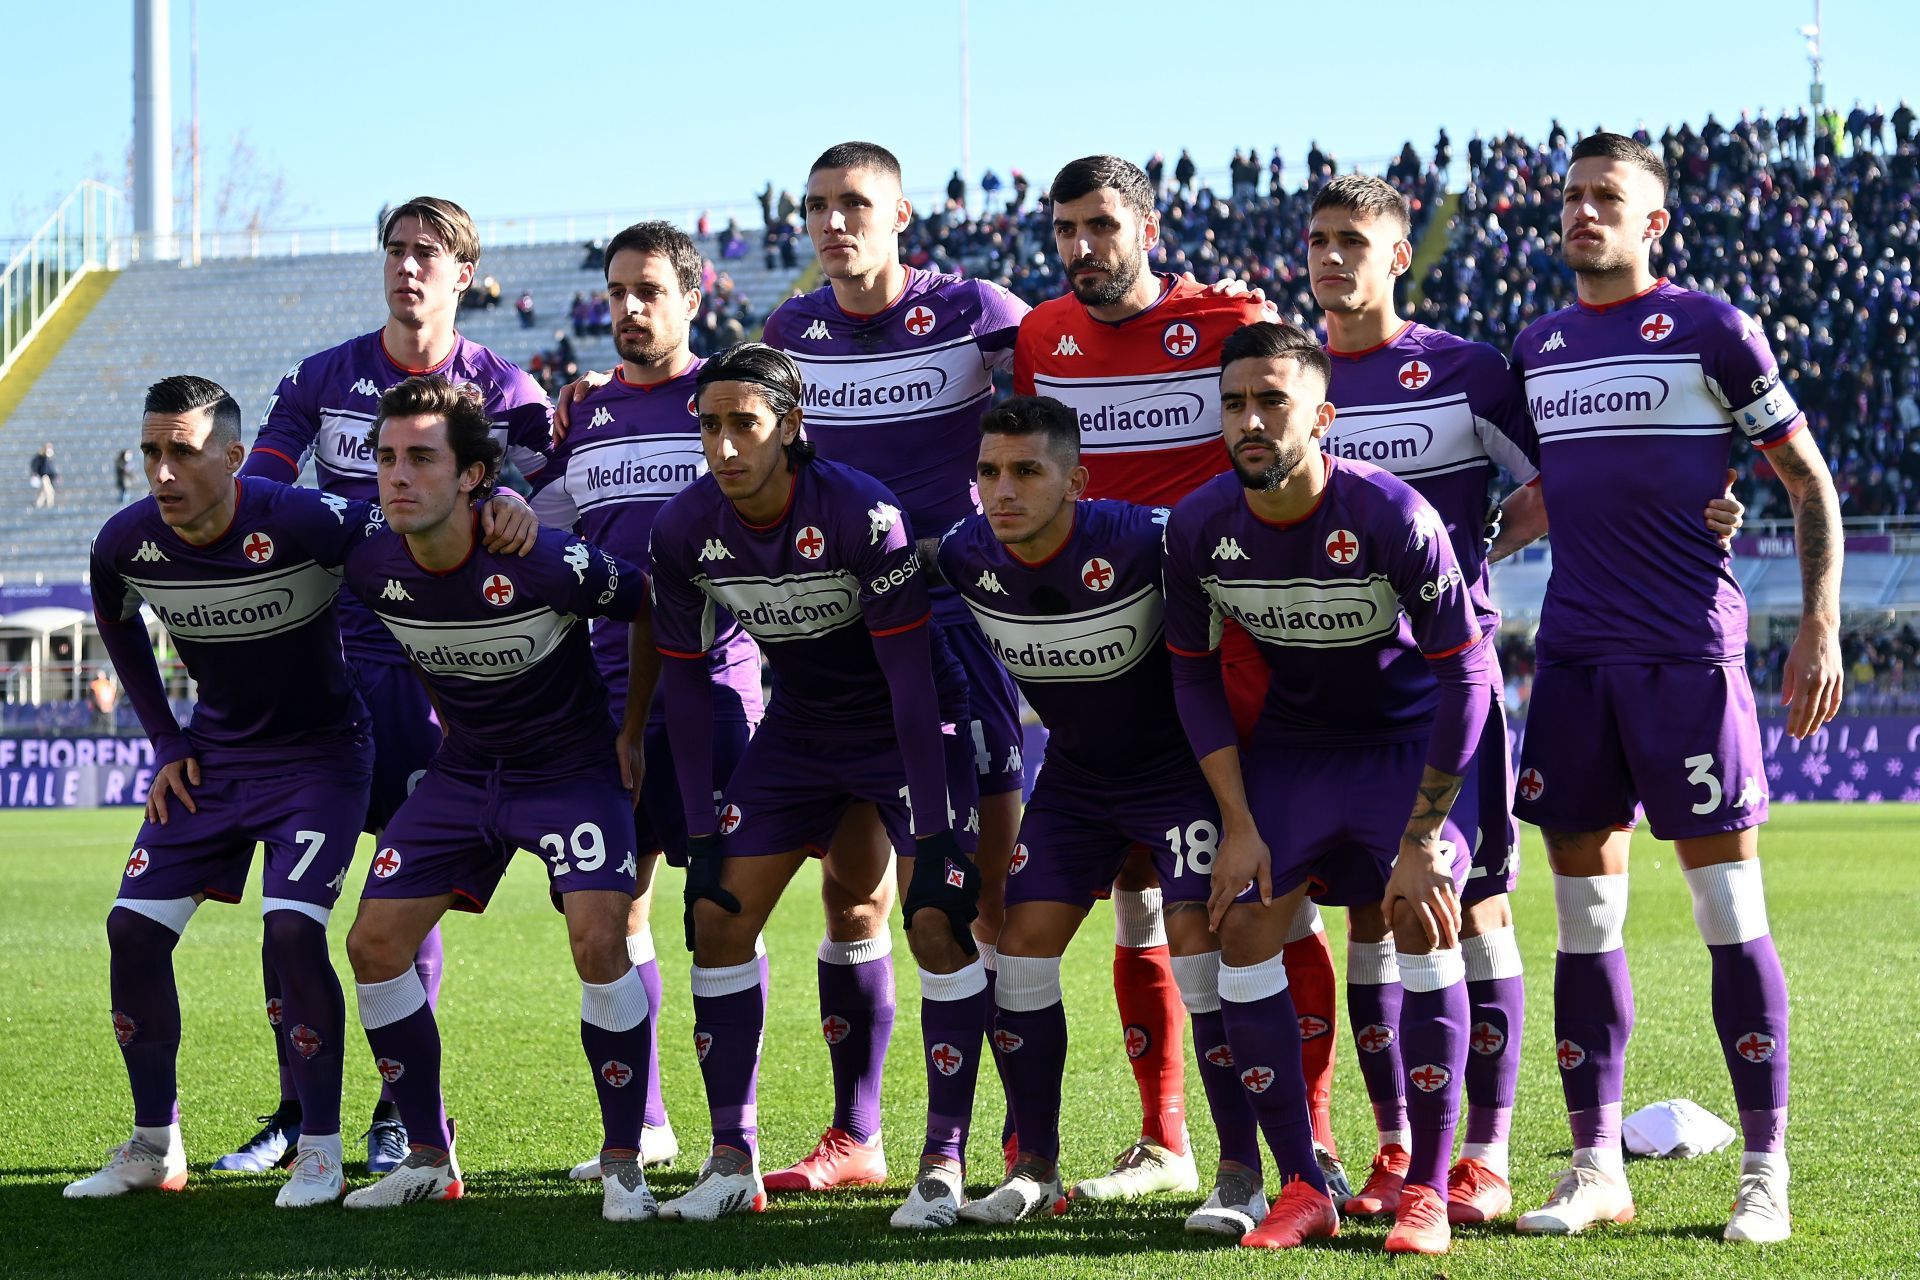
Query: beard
[[1105, 291], [1604, 259], [652, 348], [1270, 477]]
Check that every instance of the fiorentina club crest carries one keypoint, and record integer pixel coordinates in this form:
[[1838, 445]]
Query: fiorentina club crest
[[1531, 784], [1342, 546], [729, 819], [1007, 1041], [1756, 1047], [1180, 339], [498, 591], [1656, 327], [946, 1059], [919, 320], [275, 1011], [137, 864], [1220, 1056], [1569, 1055], [810, 542], [124, 1028], [1096, 574], [702, 1041], [1430, 1077], [257, 547], [1374, 1037], [1257, 1079], [305, 1040], [1018, 862], [390, 1069], [1487, 1039], [1415, 374], [1137, 1040], [616, 1073], [835, 1028], [1313, 1026], [385, 863]]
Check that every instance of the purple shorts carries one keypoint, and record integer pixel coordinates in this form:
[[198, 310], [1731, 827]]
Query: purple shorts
[[1076, 833], [405, 734], [1496, 856], [790, 790], [993, 704], [1332, 816], [1680, 739], [660, 823], [308, 821], [459, 829]]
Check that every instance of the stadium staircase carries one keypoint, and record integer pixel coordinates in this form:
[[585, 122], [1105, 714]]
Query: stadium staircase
[[243, 322], [1434, 240]]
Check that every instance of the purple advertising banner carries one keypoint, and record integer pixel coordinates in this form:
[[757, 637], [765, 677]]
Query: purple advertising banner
[[74, 773], [1780, 546]]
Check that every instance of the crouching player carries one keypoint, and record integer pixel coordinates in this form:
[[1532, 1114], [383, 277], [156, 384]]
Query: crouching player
[[815, 562], [1068, 595], [277, 752], [530, 761], [1347, 582]]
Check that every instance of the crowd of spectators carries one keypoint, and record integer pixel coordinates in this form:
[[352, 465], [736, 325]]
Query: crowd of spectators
[[727, 315]]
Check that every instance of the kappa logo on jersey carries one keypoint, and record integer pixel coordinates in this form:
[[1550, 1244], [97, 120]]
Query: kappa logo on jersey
[[390, 1069], [988, 582], [1313, 1026], [293, 374], [946, 1059], [1018, 862], [394, 591], [1067, 347], [1136, 1039], [702, 1041], [1429, 1077], [1569, 1055], [149, 554], [729, 819], [602, 417], [1415, 374], [1487, 1039], [385, 863], [1342, 547], [1557, 342], [124, 1028], [1531, 784], [881, 521], [336, 504], [498, 591], [1008, 1041], [1096, 575], [835, 1028], [1257, 1079], [137, 864], [1756, 1047], [715, 550], [275, 1010], [257, 547], [578, 558], [616, 1073], [810, 542], [919, 320], [1375, 1037], [1656, 327], [365, 387], [1180, 339], [817, 331], [305, 1040], [1220, 1055], [1014, 763], [1229, 549], [339, 880]]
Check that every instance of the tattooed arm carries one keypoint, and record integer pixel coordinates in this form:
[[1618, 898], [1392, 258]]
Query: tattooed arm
[[1422, 878], [1811, 687]]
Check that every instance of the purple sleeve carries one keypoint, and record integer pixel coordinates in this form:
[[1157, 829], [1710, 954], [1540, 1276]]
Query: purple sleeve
[[1466, 699], [116, 608], [1193, 629], [893, 590], [998, 324], [1433, 594], [684, 624], [1745, 378], [687, 687], [528, 417], [288, 429], [1200, 695], [1519, 427], [906, 658], [1500, 418]]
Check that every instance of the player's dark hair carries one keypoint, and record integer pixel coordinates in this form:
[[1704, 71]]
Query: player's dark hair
[[665, 240], [450, 224], [1615, 146], [1268, 340], [858, 155], [469, 429], [1367, 196], [184, 393], [1089, 174], [1037, 416], [768, 368]]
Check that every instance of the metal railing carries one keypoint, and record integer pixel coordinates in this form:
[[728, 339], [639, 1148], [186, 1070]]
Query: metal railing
[[78, 238]]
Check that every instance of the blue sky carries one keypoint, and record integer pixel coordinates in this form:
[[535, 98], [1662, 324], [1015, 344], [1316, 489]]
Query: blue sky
[[643, 107]]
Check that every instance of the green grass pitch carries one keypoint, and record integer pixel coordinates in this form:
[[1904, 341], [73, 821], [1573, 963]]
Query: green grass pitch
[[1843, 883]]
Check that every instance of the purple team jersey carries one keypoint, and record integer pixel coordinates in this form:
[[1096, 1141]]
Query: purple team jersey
[[899, 394], [1634, 407], [1444, 415], [631, 449], [327, 403], [1082, 635], [252, 615], [501, 643], [812, 588], [1350, 606]]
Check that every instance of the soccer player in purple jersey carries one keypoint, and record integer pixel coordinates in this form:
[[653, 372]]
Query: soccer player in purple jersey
[[816, 562], [1067, 592], [321, 410], [637, 445], [1440, 413], [1636, 394], [531, 760], [244, 575], [1348, 585]]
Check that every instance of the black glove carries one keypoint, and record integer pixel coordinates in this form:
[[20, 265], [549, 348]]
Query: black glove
[[703, 879], [945, 880]]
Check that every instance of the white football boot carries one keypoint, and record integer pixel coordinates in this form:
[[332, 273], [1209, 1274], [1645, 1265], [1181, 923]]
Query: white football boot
[[729, 1183], [1237, 1204], [316, 1178], [1587, 1193], [136, 1165], [1140, 1170], [1032, 1186], [935, 1201], [625, 1197]]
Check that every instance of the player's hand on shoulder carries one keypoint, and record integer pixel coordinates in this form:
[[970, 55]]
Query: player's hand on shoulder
[[1243, 859], [580, 388], [508, 525], [1423, 879], [173, 779], [1726, 513], [1229, 288]]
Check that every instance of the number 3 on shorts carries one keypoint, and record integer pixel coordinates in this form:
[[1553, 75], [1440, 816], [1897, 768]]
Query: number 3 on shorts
[[1698, 774], [587, 848]]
